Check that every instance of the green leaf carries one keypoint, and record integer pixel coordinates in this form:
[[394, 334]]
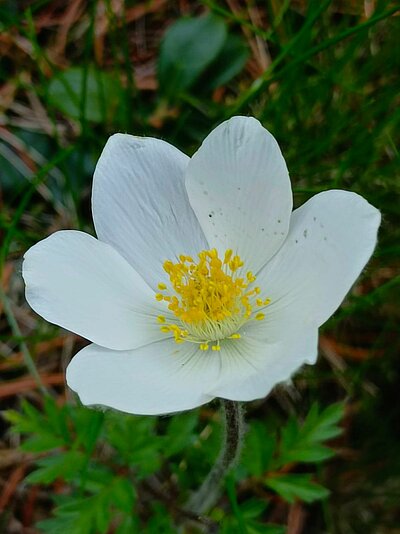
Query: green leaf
[[252, 508], [308, 454], [122, 494], [88, 425], [180, 432], [128, 525], [21, 424], [93, 92], [42, 443], [135, 441], [65, 465], [61, 524], [92, 514], [325, 425], [57, 418], [302, 443], [229, 62], [47, 430], [88, 515], [259, 447], [188, 47], [294, 486], [96, 477]]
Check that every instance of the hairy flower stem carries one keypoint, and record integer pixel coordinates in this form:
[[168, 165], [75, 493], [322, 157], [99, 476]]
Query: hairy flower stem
[[208, 493]]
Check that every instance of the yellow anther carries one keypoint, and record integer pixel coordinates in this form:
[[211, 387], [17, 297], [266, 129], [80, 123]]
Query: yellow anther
[[250, 276], [209, 298], [259, 316], [167, 265], [235, 263], [228, 255], [267, 301]]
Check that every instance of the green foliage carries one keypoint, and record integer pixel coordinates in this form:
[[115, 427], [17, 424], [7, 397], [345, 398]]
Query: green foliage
[[180, 433], [45, 430], [98, 493], [105, 459], [193, 47], [85, 93], [160, 520], [293, 486], [275, 448], [228, 63], [303, 442], [93, 514], [247, 519], [189, 46], [260, 446], [298, 443], [247, 516], [133, 440], [63, 465]]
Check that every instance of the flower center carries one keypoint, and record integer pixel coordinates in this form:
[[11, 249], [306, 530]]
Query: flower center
[[211, 298]]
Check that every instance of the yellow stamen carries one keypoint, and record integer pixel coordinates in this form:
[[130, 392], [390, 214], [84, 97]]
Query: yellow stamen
[[250, 276], [211, 299], [228, 256]]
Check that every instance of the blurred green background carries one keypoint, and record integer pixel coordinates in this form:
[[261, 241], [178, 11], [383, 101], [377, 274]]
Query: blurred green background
[[323, 77]]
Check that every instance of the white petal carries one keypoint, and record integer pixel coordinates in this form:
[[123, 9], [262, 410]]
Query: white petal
[[77, 282], [140, 204], [331, 238], [160, 378], [250, 368], [239, 187]]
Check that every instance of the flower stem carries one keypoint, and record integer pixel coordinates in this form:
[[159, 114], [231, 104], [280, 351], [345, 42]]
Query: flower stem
[[208, 493]]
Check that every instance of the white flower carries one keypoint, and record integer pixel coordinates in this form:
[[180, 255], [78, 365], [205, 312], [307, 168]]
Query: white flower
[[202, 283]]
